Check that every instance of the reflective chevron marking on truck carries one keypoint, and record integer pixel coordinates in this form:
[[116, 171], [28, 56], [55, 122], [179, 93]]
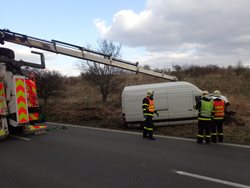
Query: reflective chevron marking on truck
[[22, 111], [2, 92], [31, 93], [33, 116], [3, 104]]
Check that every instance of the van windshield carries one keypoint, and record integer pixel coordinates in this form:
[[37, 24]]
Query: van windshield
[[197, 98]]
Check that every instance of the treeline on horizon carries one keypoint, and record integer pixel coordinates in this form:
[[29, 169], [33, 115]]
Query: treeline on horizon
[[198, 70]]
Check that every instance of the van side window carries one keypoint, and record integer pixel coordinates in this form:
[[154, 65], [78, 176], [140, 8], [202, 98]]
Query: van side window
[[197, 98]]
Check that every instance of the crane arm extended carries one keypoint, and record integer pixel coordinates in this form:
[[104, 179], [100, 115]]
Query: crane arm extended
[[77, 52]]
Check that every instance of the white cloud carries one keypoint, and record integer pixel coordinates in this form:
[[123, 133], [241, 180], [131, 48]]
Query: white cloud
[[185, 31], [101, 25]]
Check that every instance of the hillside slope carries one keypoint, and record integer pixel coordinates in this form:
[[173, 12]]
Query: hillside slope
[[80, 102]]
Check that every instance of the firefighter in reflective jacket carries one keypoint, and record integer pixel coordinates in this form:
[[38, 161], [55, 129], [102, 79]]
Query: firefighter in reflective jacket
[[148, 113], [219, 112], [205, 107]]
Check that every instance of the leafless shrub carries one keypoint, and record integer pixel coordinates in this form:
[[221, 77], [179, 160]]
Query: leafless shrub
[[102, 75], [49, 83]]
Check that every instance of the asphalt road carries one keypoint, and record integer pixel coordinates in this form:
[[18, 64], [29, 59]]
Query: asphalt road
[[96, 158]]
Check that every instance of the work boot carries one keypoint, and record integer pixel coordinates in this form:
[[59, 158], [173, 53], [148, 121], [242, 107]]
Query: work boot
[[151, 138], [220, 138], [145, 133], [144, 136], [213, 139], [199, 142], [207, 140]]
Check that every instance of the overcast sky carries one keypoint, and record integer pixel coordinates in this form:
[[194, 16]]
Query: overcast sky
[[159, 33]]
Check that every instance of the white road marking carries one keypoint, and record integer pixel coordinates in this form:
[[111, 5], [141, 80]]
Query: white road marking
[[19, 137], [94, 128], [235, 145], [137, 133], [211, 179]]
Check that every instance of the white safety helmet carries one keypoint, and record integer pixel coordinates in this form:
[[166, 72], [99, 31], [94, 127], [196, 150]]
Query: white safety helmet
[[150, 92], [205, 94], [217, 93]]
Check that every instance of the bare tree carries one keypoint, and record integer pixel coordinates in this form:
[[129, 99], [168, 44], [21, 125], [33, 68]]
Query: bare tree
[[102, 75], [239, 69], [177, 68], [49, 83], [147, 67]]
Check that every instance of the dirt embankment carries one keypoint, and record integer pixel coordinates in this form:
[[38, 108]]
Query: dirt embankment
[[80, 103]]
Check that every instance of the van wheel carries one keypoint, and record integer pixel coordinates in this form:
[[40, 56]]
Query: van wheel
[[142, 125], [7, 53]]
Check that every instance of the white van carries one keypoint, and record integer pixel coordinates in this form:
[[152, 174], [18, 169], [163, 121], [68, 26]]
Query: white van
[[174, 102]]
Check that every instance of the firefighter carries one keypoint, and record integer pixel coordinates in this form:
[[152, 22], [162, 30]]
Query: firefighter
[[224, 98], [219, 113], [148, 108], [205, 107]]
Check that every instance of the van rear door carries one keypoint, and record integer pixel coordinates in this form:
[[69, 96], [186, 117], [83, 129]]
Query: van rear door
[[133, 107], [180, 104]]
